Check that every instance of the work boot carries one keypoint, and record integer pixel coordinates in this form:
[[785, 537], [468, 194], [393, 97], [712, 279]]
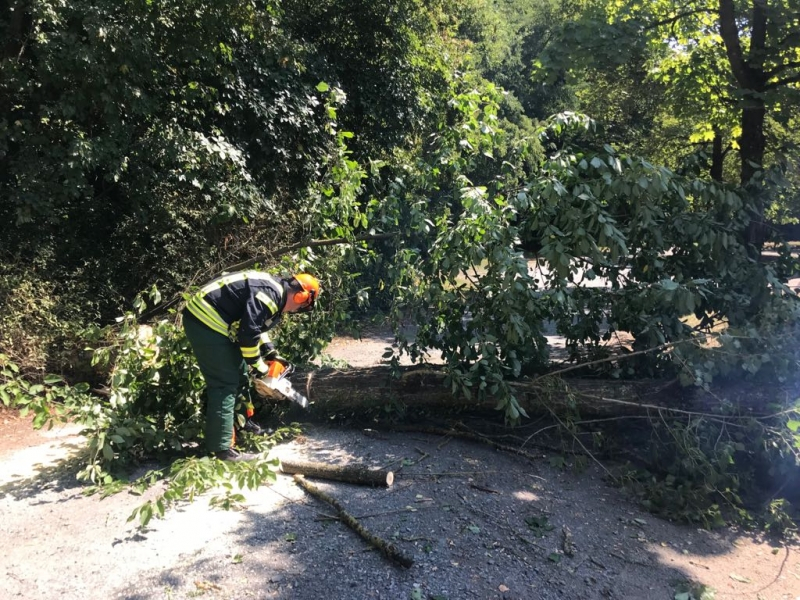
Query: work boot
[[234, 455], [254, 428]]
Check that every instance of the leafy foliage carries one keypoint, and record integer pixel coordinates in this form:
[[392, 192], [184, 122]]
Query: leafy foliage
[[183, 139], [388, 57], [192, 477], [670, 247], [50, 402], [155, 401], [714, 469], [159, 130]]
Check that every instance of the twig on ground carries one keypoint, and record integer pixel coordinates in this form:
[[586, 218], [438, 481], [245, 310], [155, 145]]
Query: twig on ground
[[403, 463], [324, 517], [470, 435], [624, 558], [590, 421], [597, 562], [447, 474], [421, 458], [483, 489]]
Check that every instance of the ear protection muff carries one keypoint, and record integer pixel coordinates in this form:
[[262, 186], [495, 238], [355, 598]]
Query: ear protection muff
[[301, 297], [304, 299], [305, 289]]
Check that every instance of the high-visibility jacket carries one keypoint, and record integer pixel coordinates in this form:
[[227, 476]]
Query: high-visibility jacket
[[242, 306]]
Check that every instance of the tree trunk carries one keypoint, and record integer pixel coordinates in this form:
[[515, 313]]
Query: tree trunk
[[717, 156], [355, 390], [752, 146], [751, 79]]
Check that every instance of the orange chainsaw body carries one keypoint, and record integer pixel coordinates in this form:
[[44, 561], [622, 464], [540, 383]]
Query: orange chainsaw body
[[276, 385]]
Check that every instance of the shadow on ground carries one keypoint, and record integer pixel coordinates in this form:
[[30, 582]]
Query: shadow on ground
[[28, 481], [476, 522]]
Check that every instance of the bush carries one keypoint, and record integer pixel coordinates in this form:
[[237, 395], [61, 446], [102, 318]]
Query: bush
[[40, 325]]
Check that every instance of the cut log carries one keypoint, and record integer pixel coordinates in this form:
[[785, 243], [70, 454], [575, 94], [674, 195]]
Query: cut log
[[354, 390], [347, 473]]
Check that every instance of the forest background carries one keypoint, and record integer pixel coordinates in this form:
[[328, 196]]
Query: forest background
[[416, 155]]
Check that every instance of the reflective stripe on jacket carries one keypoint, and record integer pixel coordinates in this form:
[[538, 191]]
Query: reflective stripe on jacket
[[241, 306]]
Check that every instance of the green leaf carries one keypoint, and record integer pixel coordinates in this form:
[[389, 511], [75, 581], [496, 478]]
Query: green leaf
[[793, 426], [322, 87], [554, 557], [108, 452], [668, 285], [145, 514], [51, 379]]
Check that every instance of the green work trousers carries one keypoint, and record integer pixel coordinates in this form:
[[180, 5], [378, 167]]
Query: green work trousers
[[225, 372]]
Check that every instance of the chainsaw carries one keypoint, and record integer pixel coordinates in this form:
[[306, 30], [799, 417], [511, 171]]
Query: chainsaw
[[275, 385]]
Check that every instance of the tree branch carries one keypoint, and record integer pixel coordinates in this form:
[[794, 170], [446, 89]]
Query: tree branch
[[18, 31], [161, 308], [781, 68], [781, 82], [620, 357], [674, 19], [790, 38], [310, 244], [730, 37], [388, 549], [758, 39]]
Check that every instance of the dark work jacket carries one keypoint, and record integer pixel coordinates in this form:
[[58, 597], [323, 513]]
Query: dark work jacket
[[242, 306]]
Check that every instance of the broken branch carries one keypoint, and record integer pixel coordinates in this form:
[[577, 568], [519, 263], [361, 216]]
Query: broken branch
[[389, 550]]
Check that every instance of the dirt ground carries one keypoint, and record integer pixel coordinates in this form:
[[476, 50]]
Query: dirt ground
[[477, 523]]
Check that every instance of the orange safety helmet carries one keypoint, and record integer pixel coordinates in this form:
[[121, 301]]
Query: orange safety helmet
[[308, 291]]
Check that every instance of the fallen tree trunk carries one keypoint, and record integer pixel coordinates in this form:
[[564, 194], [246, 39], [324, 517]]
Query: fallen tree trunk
[[424, 387], [347, 473]]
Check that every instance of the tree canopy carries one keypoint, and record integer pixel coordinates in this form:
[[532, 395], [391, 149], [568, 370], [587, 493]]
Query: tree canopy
[[726, 68]]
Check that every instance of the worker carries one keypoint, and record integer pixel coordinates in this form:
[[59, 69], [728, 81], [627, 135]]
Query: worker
[[226, 323]]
